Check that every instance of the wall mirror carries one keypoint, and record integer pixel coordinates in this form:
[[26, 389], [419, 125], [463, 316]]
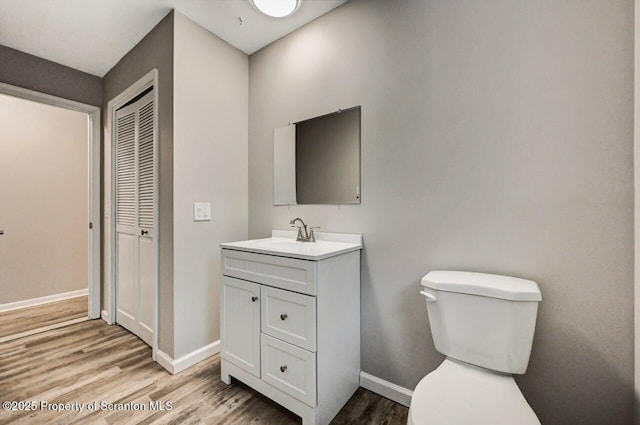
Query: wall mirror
[[317, 161]]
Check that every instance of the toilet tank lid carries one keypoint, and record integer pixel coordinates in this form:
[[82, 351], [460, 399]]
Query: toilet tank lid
[[483, 284]]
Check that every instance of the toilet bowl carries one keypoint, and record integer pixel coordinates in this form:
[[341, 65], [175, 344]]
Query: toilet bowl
[[457, 394], [484, 324]]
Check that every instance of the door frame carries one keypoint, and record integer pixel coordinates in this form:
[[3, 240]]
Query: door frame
[[109, 314], [93, 159]]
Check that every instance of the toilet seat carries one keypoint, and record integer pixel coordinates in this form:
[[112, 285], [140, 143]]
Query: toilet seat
[[461, 394]]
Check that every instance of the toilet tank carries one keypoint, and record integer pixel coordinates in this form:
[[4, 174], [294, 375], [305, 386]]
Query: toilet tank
[[483, 319]]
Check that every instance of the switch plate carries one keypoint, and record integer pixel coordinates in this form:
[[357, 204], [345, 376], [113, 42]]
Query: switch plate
[[201, 211]]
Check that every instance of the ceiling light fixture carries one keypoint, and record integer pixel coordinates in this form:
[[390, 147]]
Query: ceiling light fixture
[[276, 8]]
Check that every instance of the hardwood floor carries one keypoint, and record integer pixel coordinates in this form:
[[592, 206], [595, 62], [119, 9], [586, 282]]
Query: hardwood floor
[[93, 362], [25, 320]]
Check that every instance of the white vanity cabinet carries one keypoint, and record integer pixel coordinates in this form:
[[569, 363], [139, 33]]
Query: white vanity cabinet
[[290, 325]]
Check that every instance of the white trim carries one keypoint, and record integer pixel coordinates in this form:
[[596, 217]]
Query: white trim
[[43, 300], [93, 129], [188, 360], [149, 79], [386, 389], [104, 315], [164, 360], [95, 250]]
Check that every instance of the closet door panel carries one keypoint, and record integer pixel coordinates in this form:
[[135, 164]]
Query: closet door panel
[[135, 217]]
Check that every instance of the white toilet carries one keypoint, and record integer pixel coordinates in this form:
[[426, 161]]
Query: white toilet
[[484, 324]]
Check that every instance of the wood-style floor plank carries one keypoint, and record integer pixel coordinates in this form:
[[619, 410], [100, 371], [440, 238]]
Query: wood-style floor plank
[[41, 316], [93, 362]]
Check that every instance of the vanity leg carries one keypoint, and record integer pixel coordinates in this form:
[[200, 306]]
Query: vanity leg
[[224, 374], [310, 417]]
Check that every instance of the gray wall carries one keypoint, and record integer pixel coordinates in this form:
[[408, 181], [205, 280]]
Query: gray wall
[[496, 137], [636, 143], [44, 199], [211, 103], [34, 73], [155, 51]]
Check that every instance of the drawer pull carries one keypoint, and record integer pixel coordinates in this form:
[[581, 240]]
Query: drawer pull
[[283, 369], [283, 317], [254, 299]]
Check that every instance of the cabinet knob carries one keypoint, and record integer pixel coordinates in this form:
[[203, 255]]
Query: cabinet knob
[[283, 317], [254, 299], [144, 232], [283, 368]]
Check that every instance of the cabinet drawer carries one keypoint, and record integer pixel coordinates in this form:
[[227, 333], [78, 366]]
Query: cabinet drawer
[[286, 273], [289, 316], [289, 369]]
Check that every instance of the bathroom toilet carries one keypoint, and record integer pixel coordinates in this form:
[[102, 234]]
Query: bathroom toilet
[[484, 324]]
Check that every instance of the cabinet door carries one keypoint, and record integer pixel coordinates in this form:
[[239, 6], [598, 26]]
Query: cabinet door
[[240, 330]]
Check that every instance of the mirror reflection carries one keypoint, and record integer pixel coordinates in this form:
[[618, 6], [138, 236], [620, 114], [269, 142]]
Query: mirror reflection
[[317, 161]]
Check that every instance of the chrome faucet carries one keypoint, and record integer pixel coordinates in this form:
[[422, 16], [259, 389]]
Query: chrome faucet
[[305, 234]]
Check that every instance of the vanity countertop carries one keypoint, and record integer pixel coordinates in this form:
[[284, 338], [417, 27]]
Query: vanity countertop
[[283, 243]]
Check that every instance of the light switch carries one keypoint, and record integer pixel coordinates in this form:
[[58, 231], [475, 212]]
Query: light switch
[[201, 211]]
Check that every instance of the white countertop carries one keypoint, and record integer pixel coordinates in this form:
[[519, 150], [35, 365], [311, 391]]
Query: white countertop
[[283, 243]]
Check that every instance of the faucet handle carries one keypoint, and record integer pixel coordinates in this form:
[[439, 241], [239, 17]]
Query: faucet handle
[[312, 235], [299, 232]]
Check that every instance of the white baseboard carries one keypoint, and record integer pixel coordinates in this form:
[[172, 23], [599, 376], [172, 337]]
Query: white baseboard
[[104, 315], [43, 300], [165, 361], [386, 389], [188, 360]]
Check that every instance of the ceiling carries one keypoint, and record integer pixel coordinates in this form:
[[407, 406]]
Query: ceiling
[[93, 35]]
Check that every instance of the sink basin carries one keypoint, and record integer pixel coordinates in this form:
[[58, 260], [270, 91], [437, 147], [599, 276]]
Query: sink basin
[[327, 245], [287, 245]]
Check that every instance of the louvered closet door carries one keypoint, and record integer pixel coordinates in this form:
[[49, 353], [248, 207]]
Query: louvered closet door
[[135, 205]]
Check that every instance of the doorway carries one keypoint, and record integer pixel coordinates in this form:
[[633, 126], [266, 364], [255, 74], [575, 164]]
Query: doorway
[[49, 213]]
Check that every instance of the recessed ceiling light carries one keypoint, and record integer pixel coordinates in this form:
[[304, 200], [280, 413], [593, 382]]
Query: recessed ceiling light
[[276, 8]]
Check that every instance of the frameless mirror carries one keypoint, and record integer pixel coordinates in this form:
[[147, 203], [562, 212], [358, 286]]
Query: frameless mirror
[[317, 161]]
